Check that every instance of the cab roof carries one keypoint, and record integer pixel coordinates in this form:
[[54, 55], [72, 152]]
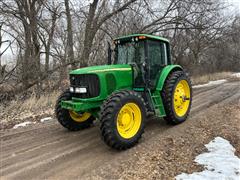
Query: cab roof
[[148, 36]]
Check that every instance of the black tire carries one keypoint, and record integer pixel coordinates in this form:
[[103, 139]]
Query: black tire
[[64, 117], [108, 119], [168, 96]]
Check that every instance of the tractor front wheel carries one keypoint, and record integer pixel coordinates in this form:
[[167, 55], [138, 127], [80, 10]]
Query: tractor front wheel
[[72, 120], [122, 119]]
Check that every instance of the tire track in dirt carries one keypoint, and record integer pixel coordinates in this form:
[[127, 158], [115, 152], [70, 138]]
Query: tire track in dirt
[[49, 151], [50, 137], [226, 91]]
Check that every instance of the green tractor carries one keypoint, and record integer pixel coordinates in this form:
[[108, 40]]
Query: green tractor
[[139, 79]]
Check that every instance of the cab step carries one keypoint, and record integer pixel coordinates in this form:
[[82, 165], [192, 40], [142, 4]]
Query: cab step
[[158, 104]]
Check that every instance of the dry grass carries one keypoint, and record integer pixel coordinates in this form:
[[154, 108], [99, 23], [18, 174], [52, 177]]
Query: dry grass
[[210, 77], [31, 109], [33, 103], [44, 101]]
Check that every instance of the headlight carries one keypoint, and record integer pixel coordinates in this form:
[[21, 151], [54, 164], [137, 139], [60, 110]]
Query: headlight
[[80, 90], [71, 89]]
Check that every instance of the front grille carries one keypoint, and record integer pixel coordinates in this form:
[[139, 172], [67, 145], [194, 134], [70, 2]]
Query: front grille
[[90, 81]]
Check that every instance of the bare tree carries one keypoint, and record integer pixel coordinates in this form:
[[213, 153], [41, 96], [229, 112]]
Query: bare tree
[[94, 21], [47, 28], [70, 52]]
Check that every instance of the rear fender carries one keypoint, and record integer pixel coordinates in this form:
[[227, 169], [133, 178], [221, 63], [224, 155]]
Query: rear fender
[[164, 74]]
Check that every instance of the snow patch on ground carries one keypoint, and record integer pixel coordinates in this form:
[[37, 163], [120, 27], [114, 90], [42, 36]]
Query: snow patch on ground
[[28, 122], [46, 119], [236, 75], [220, 162], [22, 124], [210, 83]]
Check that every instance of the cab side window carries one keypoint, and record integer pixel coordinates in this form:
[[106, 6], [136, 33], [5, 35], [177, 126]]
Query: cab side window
[[157, 52]]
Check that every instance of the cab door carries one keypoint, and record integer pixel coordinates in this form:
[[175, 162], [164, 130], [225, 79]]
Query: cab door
[[157, 59]]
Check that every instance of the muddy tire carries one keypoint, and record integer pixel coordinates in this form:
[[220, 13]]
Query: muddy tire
[[64, 118], [177, 97], [122, 119]]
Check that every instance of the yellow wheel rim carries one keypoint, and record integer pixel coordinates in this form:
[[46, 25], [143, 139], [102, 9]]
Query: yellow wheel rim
[[181, 98], [79, 117], [129, 120]]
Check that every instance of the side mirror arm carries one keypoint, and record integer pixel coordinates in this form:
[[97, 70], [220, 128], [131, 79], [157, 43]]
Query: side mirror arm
[[109, 60]]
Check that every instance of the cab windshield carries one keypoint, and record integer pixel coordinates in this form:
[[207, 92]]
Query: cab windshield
[[130, 52]]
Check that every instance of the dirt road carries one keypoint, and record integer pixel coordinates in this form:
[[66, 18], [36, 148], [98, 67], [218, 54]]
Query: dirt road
[[47, 151]]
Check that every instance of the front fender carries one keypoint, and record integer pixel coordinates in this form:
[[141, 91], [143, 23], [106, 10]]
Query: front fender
[[164, 74]]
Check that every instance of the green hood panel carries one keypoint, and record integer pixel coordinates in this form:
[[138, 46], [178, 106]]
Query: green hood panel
[[111, 77], [102, 69]]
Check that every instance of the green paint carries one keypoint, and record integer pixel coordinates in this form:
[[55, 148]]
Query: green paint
[[120, 74], [164, 74], [102, 69], [156, 95], [79, 106], [158, 104], [138, 89]]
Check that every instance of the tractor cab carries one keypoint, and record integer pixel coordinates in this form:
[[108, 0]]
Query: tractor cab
[[147, 54]]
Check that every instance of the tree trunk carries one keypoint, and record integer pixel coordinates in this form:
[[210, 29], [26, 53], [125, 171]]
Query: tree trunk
[[90, 33], [31, 68], [70, 52]]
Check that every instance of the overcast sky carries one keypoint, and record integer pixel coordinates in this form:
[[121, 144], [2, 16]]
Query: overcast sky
[[236, 5]]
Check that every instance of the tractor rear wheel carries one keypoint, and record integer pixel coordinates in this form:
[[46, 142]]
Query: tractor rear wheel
[[122, 119], [72, 120], [177, 97]]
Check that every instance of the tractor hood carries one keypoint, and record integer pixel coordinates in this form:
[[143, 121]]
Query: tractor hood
[[109, 79], [103, 69]]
